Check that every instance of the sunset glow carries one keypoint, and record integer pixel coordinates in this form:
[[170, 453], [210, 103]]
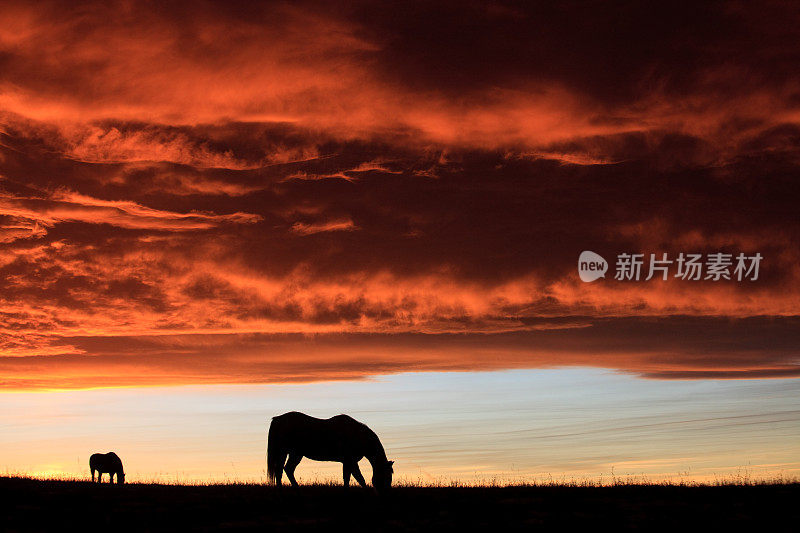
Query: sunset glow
[[215, 212]]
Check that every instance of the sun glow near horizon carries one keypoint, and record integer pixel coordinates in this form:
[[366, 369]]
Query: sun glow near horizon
[[506, 427]]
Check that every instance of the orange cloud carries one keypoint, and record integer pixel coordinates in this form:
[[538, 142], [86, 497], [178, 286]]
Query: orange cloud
[[650, 348], [322, 70], [66, 206], [210, 169], [333, 225]]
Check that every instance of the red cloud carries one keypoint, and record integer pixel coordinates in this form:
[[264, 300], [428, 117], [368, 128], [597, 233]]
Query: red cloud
[[323, 70], [212, 171], [654, 349], [66, 206]]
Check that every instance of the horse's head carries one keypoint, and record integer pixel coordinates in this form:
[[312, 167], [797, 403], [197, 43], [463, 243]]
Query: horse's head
[[120, 478], [382, 476]]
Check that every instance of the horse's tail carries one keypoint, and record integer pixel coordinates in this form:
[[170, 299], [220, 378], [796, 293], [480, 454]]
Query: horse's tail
[[276, 453]]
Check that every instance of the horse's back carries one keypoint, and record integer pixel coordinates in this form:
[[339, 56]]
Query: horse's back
[[293, 417], [324, 439], [106, 462], [294, 422], [301, 420]]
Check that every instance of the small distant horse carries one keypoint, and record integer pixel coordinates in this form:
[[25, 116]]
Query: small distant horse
[[339, 438], [107, 463]]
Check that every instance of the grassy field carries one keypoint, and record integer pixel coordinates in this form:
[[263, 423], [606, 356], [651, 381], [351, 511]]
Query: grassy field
[[51, 505]]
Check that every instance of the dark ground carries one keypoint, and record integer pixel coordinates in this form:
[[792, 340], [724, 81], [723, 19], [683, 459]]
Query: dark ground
[[34, 505]]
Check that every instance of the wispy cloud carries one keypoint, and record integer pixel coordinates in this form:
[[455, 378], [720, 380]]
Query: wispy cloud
[[68, 206], [332, 225]]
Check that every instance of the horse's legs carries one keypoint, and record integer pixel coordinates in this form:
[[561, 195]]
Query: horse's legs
[[291, 464], [279, 476], [92, 475], [357, 474], [346, 471]]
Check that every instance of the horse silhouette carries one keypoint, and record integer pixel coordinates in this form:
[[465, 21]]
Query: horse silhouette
[[106, 463], [339, 438]]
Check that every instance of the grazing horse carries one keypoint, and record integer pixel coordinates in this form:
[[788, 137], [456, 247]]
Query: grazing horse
[[106, 463], [339, 438]]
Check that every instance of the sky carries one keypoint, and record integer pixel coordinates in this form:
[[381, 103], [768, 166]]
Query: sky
[[556, 425], [307, 204]]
